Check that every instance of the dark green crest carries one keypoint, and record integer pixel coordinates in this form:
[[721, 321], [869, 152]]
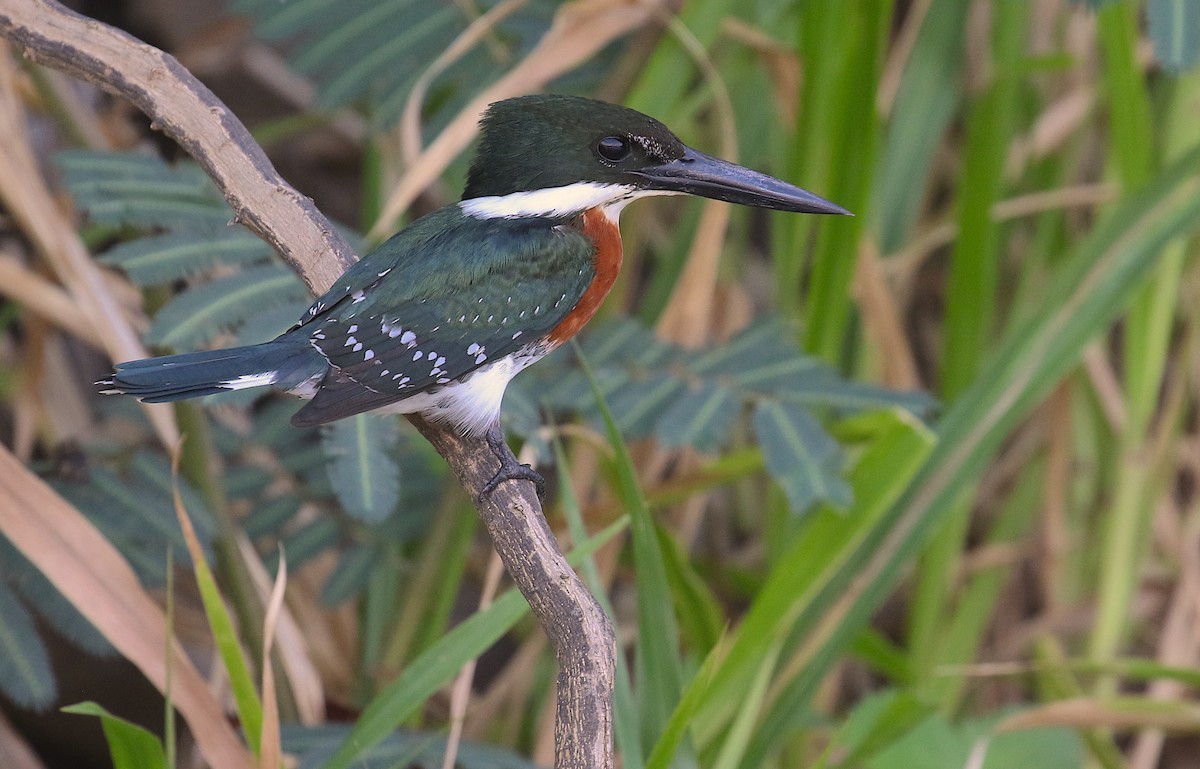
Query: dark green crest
[[550, 140]]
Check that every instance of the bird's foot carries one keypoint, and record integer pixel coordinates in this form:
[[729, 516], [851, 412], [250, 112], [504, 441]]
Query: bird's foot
[[510, 469]]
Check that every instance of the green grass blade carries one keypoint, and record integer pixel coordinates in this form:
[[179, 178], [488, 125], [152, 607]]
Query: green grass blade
[[814, 557], [853, 142], [1094, 285], [625, 706], [659, 676], [130, 746], [971, 290], [241, 682], [925, 103]]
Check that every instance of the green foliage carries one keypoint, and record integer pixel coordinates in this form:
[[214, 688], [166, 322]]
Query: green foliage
[[123, 189], [1174, 27], [25, 674], [201, 314], [694, 398], [741, 606], [938, 744], [314, 745], [364, 477], [370, 54], [26, 677], [130, 746], [164, 258], [437, 666], [132, 504], [801, 455]]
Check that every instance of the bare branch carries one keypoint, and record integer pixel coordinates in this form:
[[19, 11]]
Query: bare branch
[[186, 110]]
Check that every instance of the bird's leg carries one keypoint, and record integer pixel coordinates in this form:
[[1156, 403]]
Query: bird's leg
[[510, 469]]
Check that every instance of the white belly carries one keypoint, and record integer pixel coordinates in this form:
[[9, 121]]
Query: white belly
[[470, 406]]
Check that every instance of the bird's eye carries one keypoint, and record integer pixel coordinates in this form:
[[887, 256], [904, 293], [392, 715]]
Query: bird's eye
[[613, 148]]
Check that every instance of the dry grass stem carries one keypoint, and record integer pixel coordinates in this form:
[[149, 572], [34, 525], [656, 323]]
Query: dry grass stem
[[292, 641], [94, 577], [478, 30], [33, 206]]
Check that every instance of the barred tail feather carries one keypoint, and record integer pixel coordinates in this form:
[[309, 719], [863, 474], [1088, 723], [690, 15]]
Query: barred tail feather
[[282, 362]]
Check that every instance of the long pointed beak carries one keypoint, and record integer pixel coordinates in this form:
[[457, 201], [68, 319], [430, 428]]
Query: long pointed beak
[[698, 174]]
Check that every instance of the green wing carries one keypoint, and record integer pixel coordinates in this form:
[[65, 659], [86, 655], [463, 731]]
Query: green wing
[[446, 296]]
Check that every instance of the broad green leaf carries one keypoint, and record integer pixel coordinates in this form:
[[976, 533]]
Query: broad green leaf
[[129, 745], [700, 417], [78, 166], [938, 744], [421, 34], [126, 189], [172, 256], [802, 458], [203, 311], [848, 397], [25, 673], [133, 509], [40, 594], [370, 52], [307, 542], [763, 345], [619, 340], [269, 517], [365, 476], [637, 405], [154, 211]]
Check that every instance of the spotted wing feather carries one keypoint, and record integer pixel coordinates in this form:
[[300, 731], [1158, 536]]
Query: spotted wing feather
[[387, 340]]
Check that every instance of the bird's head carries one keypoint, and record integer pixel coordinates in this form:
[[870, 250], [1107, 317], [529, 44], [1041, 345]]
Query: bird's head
[[548, 154]]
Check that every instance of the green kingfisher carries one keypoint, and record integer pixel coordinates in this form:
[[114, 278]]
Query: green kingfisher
[[439, 318]]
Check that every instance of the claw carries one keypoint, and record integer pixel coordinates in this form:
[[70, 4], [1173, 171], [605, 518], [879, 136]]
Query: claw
[[510, 469]]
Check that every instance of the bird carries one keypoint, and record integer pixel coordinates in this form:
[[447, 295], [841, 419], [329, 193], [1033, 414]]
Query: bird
[[439, 318]]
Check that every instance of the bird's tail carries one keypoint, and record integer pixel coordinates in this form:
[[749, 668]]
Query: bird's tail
[[283, 362]]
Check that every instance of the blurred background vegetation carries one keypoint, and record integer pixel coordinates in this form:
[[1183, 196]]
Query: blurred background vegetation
[[917, 488]]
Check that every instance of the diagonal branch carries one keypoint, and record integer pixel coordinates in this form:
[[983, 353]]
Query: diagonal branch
[[186, 110]]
